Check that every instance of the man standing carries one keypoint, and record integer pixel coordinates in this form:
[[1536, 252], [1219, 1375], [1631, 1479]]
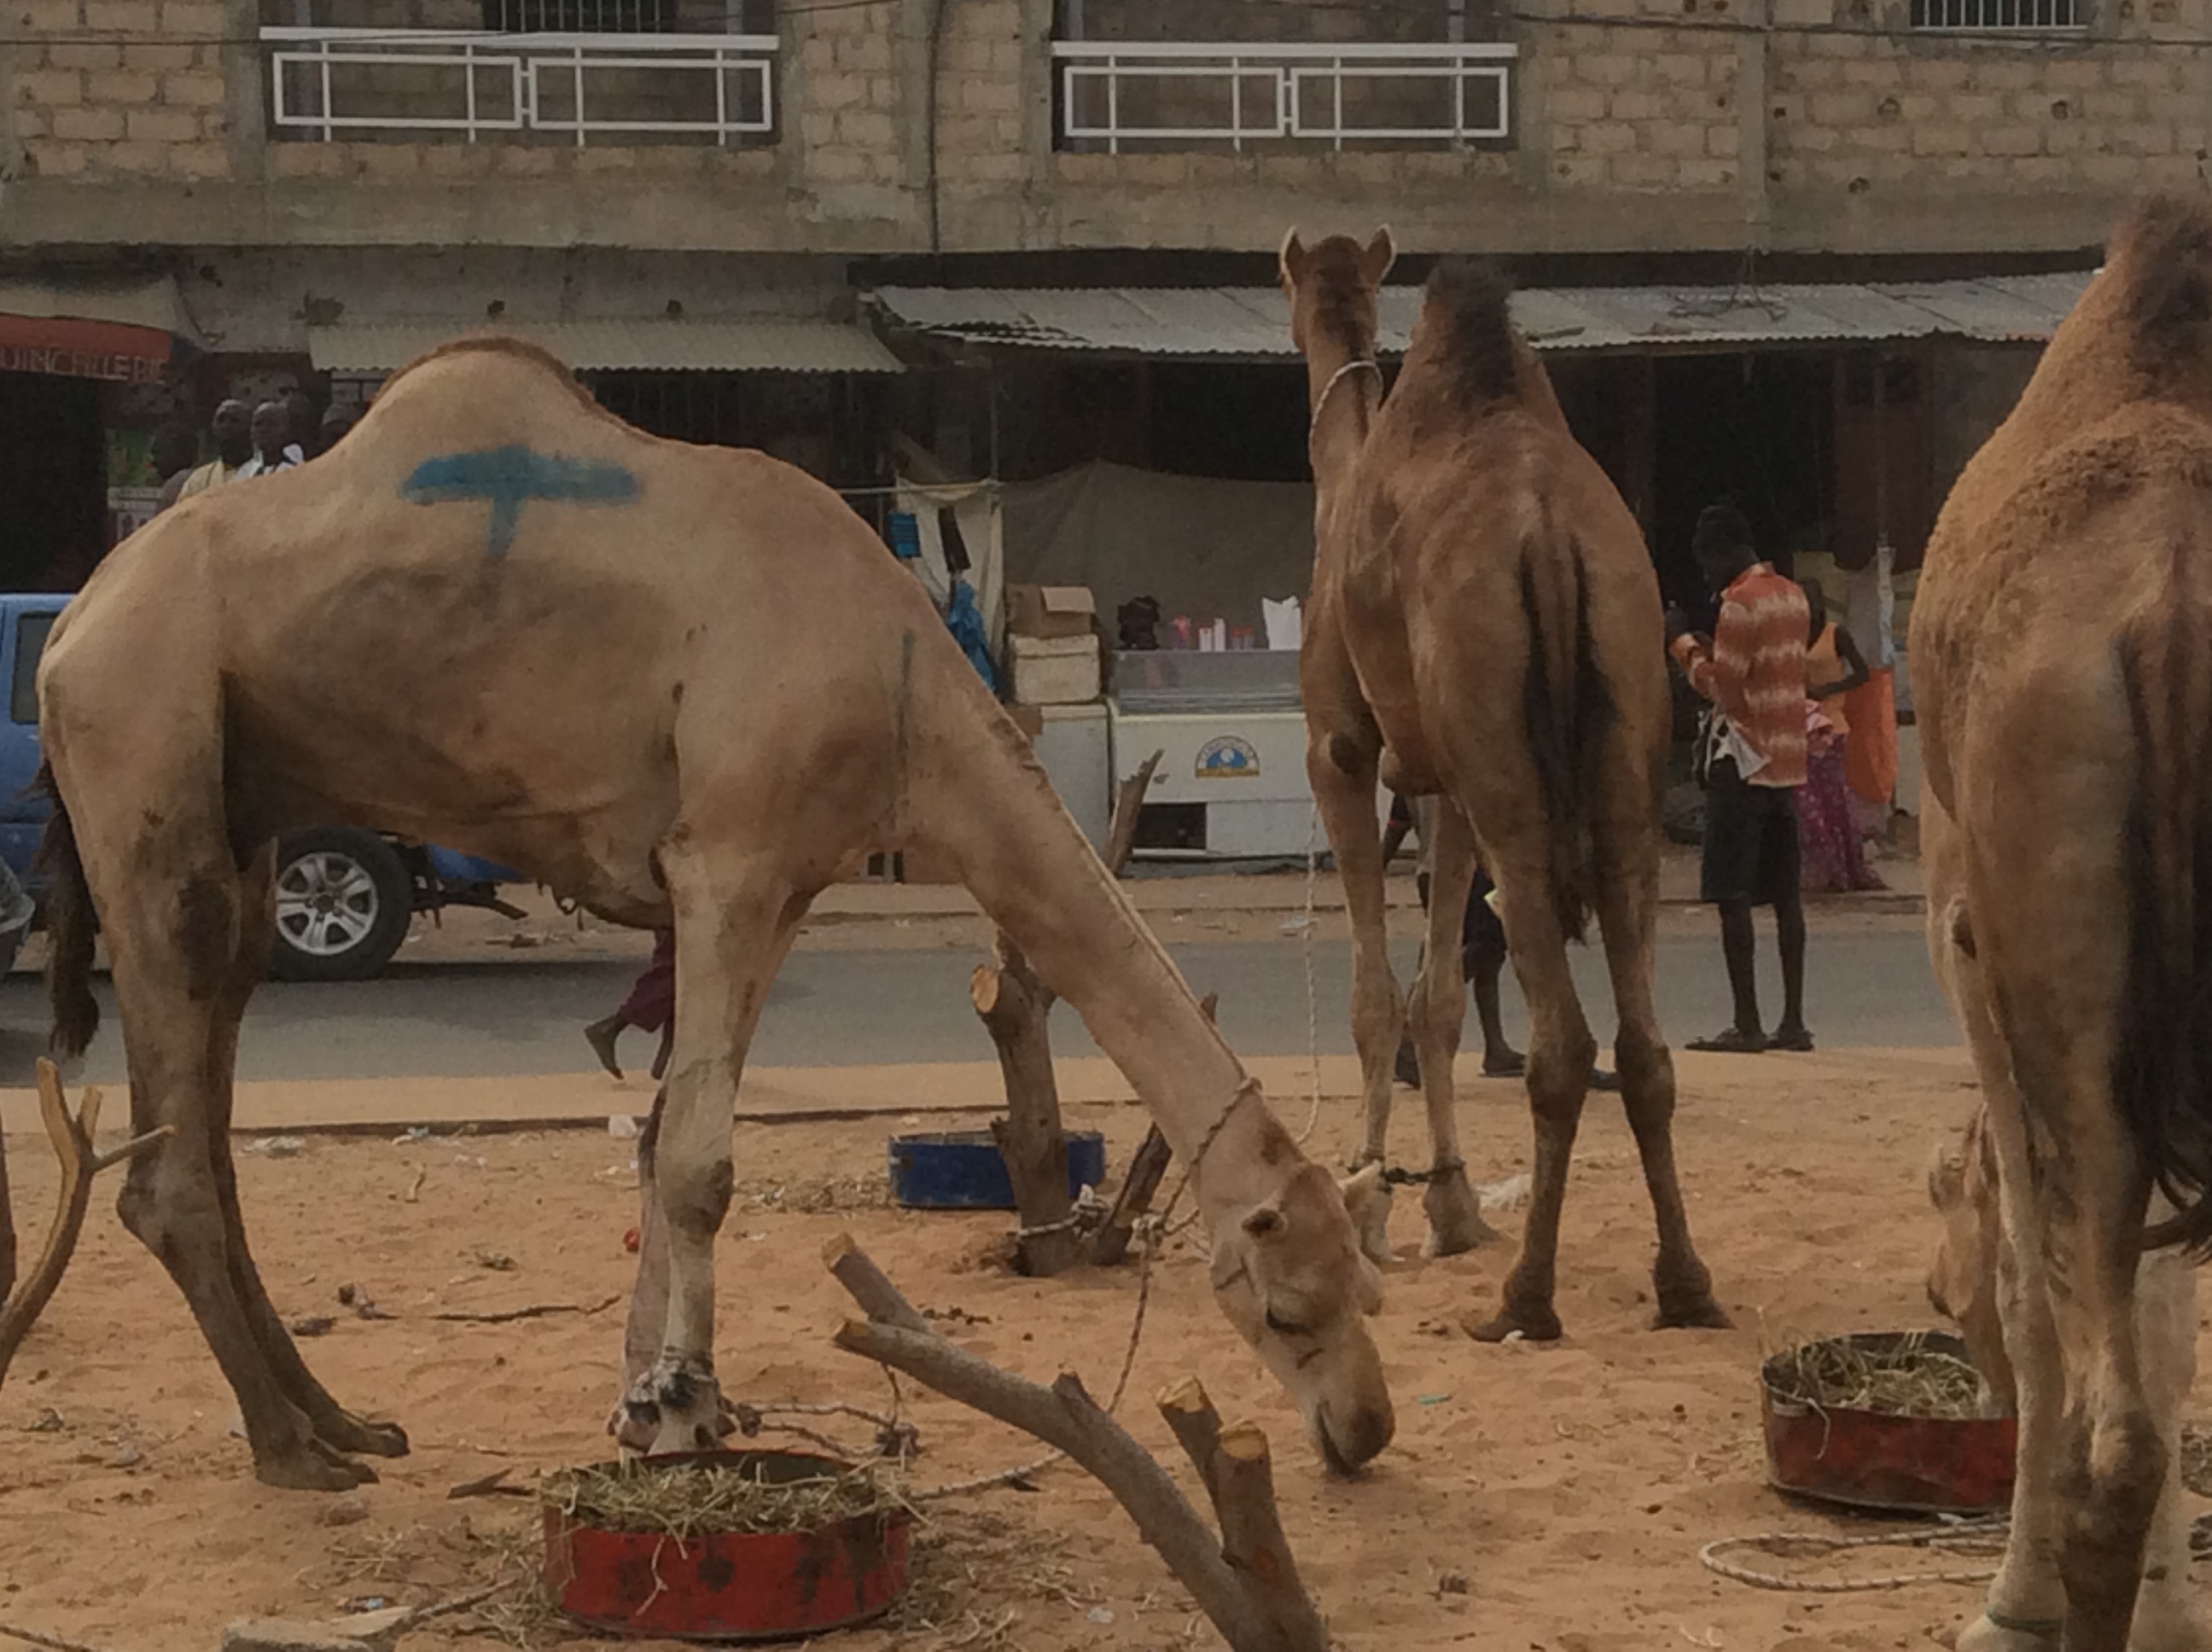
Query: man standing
[[1753, 671], [273, 449], [171, 456], [233, 448]]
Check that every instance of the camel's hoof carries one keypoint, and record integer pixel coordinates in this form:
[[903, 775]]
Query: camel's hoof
[[1454, 1213], [1692, 1312], [675, 1406], [347, 1432], [312, 1466], [1534, 1323], [1983, 1636]]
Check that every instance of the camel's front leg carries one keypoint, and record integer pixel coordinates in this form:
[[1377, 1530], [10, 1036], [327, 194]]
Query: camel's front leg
[[735, 915], [1439, 1009], [1341, 770]]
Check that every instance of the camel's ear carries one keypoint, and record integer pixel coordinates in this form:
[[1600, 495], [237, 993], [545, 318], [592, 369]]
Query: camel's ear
[[1290, 260], [1381, 252], [1946, 1179]]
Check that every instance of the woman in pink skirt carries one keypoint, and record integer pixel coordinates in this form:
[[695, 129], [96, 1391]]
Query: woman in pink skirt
[[1832, 857]]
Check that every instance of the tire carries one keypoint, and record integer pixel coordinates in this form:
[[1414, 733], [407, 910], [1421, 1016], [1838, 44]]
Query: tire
[[343, 903]]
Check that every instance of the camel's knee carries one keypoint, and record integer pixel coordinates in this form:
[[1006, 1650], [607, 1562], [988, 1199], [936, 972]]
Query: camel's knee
[[162, 1209], [1559, 1074], [203, 928], [696, 1197], [1646, 1068]]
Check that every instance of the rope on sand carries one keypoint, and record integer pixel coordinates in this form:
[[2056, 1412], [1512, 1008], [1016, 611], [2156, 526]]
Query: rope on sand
[[1961, 1535]]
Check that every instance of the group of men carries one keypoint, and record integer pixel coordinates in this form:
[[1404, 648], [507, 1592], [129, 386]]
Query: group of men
[[274, 436]]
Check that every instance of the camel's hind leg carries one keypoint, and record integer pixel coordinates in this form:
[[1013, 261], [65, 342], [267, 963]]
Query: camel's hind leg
[[1439, 1009], [1560, 1052], [1627, 907], [334, 1424], [171, 904], [737, 908]]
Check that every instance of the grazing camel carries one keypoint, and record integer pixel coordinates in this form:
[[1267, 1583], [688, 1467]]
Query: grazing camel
[[682, 685], [1485, 629], [1966, 1284], [2061, 664]]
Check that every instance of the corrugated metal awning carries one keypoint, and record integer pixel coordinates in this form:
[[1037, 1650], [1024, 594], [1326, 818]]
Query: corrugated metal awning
[[764, 345], [132, 301], [1251, 324]]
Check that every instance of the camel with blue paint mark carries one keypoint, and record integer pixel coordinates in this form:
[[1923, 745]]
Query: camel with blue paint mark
[[684, 686]]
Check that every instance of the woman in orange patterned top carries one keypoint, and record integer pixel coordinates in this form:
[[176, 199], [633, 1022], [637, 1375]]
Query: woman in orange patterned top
[[1753, 671]]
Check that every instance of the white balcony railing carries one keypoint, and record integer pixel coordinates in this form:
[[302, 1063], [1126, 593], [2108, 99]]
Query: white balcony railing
[[335, 82], [1156, 93]]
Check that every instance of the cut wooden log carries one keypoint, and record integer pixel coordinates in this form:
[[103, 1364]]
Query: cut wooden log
[[72, 1139], [1252, 1536], [1243, 1580], [1016, 1008], [867, 1285]]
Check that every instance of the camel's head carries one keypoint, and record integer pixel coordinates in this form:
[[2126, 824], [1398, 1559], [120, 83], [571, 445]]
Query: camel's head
[[1289, 1274], [1331, 286], [1962, 1286]]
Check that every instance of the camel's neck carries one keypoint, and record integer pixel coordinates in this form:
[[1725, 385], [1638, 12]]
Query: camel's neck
[[980, 797], [1344, 388]]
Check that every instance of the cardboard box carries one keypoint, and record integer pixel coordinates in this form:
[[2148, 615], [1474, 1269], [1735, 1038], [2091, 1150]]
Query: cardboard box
[[1049, 610], [1056, 670]]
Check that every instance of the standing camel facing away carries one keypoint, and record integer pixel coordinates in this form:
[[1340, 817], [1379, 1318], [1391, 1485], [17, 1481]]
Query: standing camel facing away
[[1486, 630], [2062, 665], [1966, 1283], [683, 686]]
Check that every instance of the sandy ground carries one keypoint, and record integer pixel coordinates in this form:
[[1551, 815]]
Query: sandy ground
[[1569, 1487]]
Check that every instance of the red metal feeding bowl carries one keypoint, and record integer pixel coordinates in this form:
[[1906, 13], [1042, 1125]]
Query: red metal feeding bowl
[[1870, 1460], [732, 1585]]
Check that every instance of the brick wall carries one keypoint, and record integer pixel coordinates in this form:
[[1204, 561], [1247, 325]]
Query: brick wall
[[1643, 103], [1881, 115], [118, 89]]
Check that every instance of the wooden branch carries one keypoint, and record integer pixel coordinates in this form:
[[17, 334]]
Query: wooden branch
[[1064, 1416], [72, 1141], [1252, 1536], [1244, 1582], [866, 1284], [1148, 1168], [1121, 834], [1197, 1428]]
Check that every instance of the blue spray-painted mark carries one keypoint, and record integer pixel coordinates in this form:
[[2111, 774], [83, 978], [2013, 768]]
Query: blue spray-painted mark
[[509, 476]]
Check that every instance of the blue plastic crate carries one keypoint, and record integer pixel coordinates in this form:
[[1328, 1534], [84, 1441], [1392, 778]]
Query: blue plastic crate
[[962, 1170]]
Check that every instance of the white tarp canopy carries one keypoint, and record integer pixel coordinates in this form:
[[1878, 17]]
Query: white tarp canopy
[[1204, 548]]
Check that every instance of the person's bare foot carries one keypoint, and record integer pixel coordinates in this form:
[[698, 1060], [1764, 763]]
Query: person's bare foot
[[601, 1035], [1732, 1040], [1791, 1036], [1503, 1061]]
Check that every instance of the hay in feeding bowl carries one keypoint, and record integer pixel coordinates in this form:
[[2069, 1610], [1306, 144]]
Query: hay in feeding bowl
[[1901, 1377], [737, 1492]]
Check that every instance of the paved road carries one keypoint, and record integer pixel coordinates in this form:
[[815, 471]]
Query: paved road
[[1870, 986]]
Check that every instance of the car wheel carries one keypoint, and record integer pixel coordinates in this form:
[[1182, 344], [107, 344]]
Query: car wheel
[[343, 903]]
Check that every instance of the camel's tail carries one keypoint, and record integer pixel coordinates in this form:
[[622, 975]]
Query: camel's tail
[[1566, 708], [2162, 1058], [71, 928]]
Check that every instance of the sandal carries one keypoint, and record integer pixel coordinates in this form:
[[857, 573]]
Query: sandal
[[1731, 1041]]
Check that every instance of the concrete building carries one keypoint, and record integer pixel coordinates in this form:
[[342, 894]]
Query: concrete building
[[705, 203]]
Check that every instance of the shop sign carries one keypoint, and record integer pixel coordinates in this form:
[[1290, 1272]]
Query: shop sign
[[1228, 757], [68, 349]]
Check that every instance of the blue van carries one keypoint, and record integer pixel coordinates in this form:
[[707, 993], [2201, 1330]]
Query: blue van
[[345, 897]]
